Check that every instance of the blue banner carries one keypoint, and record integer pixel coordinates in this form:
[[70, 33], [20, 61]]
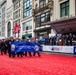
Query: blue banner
[[25, 47]]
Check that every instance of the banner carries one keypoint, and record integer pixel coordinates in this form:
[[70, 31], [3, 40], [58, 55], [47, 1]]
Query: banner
[[63, 49], [24, 47]]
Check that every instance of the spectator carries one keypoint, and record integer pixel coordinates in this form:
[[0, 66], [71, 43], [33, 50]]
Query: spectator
[[70, 39], [67, 40]]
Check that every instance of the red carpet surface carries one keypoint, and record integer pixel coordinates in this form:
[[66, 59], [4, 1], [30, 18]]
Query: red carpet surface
[[47, 64]]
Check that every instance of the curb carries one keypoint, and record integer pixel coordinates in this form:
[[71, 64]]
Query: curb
[[58, 53]]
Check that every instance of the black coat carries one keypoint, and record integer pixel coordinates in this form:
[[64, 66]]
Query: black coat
[[2, 45]]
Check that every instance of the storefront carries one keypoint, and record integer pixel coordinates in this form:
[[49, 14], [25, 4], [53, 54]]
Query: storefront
[[67, 25], [42, 31], [25, 36]]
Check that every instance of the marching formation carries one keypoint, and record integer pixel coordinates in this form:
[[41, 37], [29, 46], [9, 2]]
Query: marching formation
[[5, 47]]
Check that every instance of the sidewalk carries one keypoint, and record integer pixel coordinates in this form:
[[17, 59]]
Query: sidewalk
[[58, 53]]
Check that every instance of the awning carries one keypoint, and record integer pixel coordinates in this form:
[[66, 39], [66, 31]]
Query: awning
[[26, 35], [42, 29], [63, 26]]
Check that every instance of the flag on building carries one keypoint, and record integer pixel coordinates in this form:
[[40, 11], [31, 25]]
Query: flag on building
[[16, 28]]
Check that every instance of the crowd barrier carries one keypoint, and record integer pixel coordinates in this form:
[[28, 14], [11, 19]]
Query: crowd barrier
[[62, 49], [34, 47]]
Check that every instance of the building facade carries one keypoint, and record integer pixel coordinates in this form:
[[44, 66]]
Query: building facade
[[38, 17], [3, 27], [64, 14], [9, 18], [52, 16], [17, 15], [42, 13], [27, 19], [64, 9], [0, 20]]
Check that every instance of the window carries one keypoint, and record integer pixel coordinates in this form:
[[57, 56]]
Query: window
[[17, 14], [42, 18], [16, 5], [27, 25], [27, 4], [27, 10], [64, 9], [42, 3], [47, 16], [24, 5], [28, 13], [38, 20]]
